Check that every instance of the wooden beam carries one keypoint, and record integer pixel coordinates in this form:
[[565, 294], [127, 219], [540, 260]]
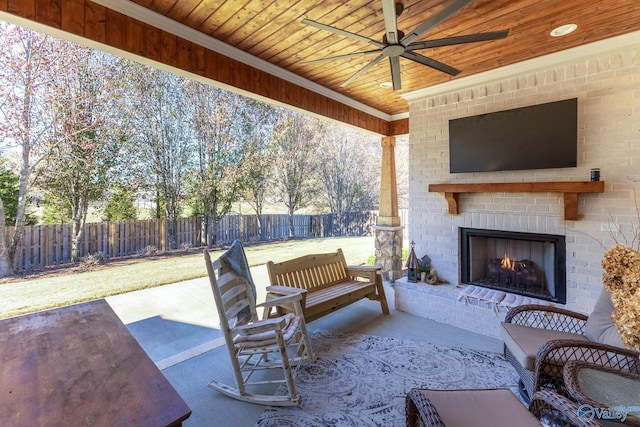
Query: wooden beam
[[569, 190], [399, 127]]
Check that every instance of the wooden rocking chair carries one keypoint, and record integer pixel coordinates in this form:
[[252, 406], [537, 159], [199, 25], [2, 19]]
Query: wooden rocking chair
[[255, 346]]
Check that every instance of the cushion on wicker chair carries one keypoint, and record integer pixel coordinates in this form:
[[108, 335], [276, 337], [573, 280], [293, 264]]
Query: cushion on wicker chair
[[600, 327], [478, 408], [524, 341]]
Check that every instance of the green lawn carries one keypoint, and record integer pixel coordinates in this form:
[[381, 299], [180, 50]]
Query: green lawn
[[49, 291]]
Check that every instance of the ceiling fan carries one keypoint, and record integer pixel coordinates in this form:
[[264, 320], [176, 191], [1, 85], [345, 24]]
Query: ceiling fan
[[396, 44]]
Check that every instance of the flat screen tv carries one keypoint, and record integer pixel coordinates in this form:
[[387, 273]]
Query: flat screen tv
[[536, 137]]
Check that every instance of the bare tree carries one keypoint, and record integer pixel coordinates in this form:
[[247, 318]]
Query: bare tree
[[296, 164], [260, 160], [227, 128], [164, 140], [87, 134], [25, 72], [350, 164]]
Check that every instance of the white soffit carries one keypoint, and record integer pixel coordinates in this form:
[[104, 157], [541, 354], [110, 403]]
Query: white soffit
[[543, 62], [156, 20]]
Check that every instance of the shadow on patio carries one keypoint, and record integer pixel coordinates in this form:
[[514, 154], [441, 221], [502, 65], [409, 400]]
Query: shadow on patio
[[177, 326]]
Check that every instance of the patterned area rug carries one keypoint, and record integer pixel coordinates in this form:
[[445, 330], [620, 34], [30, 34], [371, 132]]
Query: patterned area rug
[[361, 380]]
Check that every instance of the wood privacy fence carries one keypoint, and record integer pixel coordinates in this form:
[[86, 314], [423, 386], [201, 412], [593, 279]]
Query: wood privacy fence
[[46, 245]]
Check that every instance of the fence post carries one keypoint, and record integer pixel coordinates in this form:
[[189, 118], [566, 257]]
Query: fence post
[[164, 239]]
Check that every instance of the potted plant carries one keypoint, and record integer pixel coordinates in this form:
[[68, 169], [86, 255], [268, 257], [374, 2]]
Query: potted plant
[[424, 271]]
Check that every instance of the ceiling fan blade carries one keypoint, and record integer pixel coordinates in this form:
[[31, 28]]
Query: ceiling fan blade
[[395, 72], [436, 19], [342, 32], [363, 70], [346, 56], [429, 62], [390, 21], [448, 41]]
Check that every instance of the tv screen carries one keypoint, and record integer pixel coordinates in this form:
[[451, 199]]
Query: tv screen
[[536, 137]]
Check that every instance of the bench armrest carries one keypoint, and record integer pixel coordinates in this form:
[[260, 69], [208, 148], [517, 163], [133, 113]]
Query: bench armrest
[[366, 271], [285, 290]]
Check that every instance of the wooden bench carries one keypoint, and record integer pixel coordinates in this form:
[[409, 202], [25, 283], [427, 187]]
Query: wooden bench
[[329, 283]]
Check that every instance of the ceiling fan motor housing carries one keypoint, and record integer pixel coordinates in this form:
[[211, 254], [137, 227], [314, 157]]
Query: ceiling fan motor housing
[[386, 41], [393, 50]]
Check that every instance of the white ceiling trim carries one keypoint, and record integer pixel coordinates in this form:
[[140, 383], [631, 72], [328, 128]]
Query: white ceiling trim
[[156, 20], [543, 62]]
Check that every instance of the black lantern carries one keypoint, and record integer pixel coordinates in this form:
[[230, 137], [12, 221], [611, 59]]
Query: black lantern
[[413, 266]]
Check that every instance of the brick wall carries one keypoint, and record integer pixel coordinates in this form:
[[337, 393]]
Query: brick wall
[[607, 86]]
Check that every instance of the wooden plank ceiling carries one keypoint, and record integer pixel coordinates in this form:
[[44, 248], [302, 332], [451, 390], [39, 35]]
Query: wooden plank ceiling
[[272, 31]]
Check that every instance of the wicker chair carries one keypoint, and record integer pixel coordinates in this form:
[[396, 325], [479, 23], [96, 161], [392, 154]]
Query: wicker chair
[[553, 356], [476, 407], [488, 407], [553, 409], [527, 328], [615, 388], [539, 340]]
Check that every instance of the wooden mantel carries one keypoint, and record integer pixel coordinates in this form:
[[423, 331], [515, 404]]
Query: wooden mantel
[[569, 190]]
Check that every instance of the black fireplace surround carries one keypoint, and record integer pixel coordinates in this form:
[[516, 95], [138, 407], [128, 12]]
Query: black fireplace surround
[[527, 264]]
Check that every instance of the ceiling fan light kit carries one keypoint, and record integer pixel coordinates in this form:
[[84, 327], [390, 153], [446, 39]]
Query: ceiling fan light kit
[[396, 44]]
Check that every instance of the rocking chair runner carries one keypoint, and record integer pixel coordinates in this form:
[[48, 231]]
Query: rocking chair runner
[[256, 346]]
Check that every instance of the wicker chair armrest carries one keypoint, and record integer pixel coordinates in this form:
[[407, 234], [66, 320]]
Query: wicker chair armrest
[[547, 317], [553, 355], [420, 411], [557, 410]]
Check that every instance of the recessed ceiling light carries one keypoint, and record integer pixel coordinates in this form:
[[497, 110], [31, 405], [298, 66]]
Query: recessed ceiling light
[[386, 85], [563, 30]]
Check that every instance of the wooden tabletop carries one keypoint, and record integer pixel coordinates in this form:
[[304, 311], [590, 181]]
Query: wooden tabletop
[[80, 366]]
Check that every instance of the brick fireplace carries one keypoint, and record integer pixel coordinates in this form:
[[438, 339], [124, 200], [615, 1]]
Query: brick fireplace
[[527, 264], [605, 79]]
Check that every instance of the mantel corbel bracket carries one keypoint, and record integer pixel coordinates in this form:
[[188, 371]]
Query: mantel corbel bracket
[[452, 201]]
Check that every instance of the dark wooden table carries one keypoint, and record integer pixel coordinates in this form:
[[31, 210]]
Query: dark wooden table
[[80, 366]]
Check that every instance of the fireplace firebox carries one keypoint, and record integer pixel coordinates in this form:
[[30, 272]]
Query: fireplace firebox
[[528, 264]]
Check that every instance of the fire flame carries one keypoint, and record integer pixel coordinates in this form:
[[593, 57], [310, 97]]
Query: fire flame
[[507, 263]]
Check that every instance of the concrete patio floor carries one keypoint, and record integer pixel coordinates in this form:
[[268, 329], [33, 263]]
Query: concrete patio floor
[[177, 325]]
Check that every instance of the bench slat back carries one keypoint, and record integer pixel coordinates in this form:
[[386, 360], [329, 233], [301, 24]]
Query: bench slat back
[[310, 272]]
